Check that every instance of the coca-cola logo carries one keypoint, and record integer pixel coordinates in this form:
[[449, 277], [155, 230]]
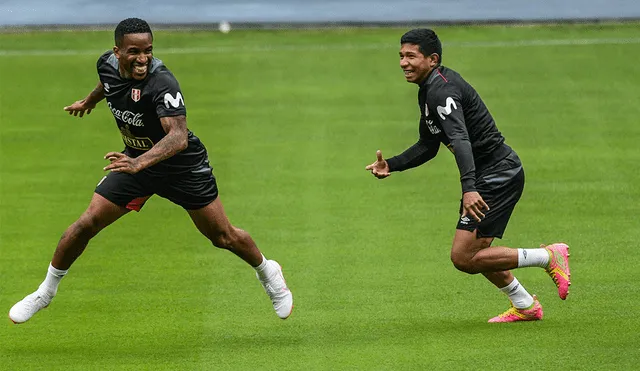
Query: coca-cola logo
[[127, 117]]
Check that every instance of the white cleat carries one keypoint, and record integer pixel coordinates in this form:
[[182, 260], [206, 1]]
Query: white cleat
[[279, 293], [23, 310]]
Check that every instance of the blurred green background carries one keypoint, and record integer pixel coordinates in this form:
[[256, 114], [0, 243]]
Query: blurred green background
[[290, 119]]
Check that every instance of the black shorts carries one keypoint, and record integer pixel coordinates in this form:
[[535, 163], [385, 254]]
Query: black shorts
[[501, 187], [192, 190]]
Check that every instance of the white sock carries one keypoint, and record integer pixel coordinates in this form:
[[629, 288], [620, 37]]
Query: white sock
[[52, 280], [519, 297], [263, 269], [533, 258]]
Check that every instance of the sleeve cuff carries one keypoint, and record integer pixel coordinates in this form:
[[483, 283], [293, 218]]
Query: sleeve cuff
[[468, 185], [392, 163]]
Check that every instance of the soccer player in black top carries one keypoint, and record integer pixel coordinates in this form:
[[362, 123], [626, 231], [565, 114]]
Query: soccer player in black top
[[491, 175], [161, 156]]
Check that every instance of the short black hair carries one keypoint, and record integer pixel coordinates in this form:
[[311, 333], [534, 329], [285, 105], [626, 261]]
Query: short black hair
[[131, 25], [426, 39]]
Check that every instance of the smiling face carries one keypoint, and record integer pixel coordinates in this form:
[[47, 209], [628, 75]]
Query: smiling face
[[416, 66], [134, 55]]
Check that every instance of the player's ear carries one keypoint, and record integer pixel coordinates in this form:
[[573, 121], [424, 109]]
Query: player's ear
[[116, 51], [434, 59]]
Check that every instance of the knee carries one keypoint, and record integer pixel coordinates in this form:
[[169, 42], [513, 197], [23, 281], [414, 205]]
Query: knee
[[463, 262], [88, 225], [226, 239]]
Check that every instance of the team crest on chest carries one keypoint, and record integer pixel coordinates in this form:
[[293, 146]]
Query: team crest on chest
[[135, 94]]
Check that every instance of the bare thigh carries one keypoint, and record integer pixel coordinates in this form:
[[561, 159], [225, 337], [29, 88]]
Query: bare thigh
[[211, 220], [99, 214]]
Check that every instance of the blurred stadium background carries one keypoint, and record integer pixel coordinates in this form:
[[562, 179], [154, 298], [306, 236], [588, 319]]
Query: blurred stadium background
[[282, 12], [292, 104]]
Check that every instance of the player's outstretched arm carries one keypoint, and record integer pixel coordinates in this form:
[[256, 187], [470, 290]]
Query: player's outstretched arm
[[380, 168], [87, 104]]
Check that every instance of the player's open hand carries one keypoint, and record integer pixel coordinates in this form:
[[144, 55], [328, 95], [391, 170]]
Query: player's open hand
[[79, 108], [473, 204], [380, 168], [121, 163]]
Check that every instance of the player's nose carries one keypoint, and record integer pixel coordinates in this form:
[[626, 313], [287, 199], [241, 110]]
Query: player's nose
[[142, 59]]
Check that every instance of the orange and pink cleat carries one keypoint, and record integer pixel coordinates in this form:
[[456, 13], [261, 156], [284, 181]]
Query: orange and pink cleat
[[558, 268], [513, 314]]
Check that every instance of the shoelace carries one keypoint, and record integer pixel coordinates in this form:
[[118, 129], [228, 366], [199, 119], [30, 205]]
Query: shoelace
[[509, 311], [37, 301], [273, 285], [515, 311]]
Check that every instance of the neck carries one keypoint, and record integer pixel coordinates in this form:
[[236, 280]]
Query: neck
[[123, 73], [426, 78]]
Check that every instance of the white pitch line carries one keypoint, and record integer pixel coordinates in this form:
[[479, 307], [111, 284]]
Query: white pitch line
[[310, 47]]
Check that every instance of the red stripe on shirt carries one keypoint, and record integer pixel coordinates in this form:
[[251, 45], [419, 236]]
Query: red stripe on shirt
[[441, 75]]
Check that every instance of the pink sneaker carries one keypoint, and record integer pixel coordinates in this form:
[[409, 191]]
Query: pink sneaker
[[558, 268], [514, 314]]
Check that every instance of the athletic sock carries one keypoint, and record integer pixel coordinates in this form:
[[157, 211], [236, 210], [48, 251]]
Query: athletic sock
[[519, 297], [52, 280], [533, 258], [264, 269]]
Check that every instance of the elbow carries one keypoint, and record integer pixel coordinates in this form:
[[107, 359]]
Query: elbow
[[183, 139], [179, 141], [184, 143]]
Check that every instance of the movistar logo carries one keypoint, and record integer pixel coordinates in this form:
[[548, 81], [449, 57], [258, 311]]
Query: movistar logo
[[174, 102], [443, 111]]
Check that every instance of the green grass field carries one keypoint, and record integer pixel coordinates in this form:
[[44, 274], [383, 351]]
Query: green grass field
[[290, 119]]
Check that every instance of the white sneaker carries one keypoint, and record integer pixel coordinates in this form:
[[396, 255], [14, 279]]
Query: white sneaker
[[276, 288], [27, 307]]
